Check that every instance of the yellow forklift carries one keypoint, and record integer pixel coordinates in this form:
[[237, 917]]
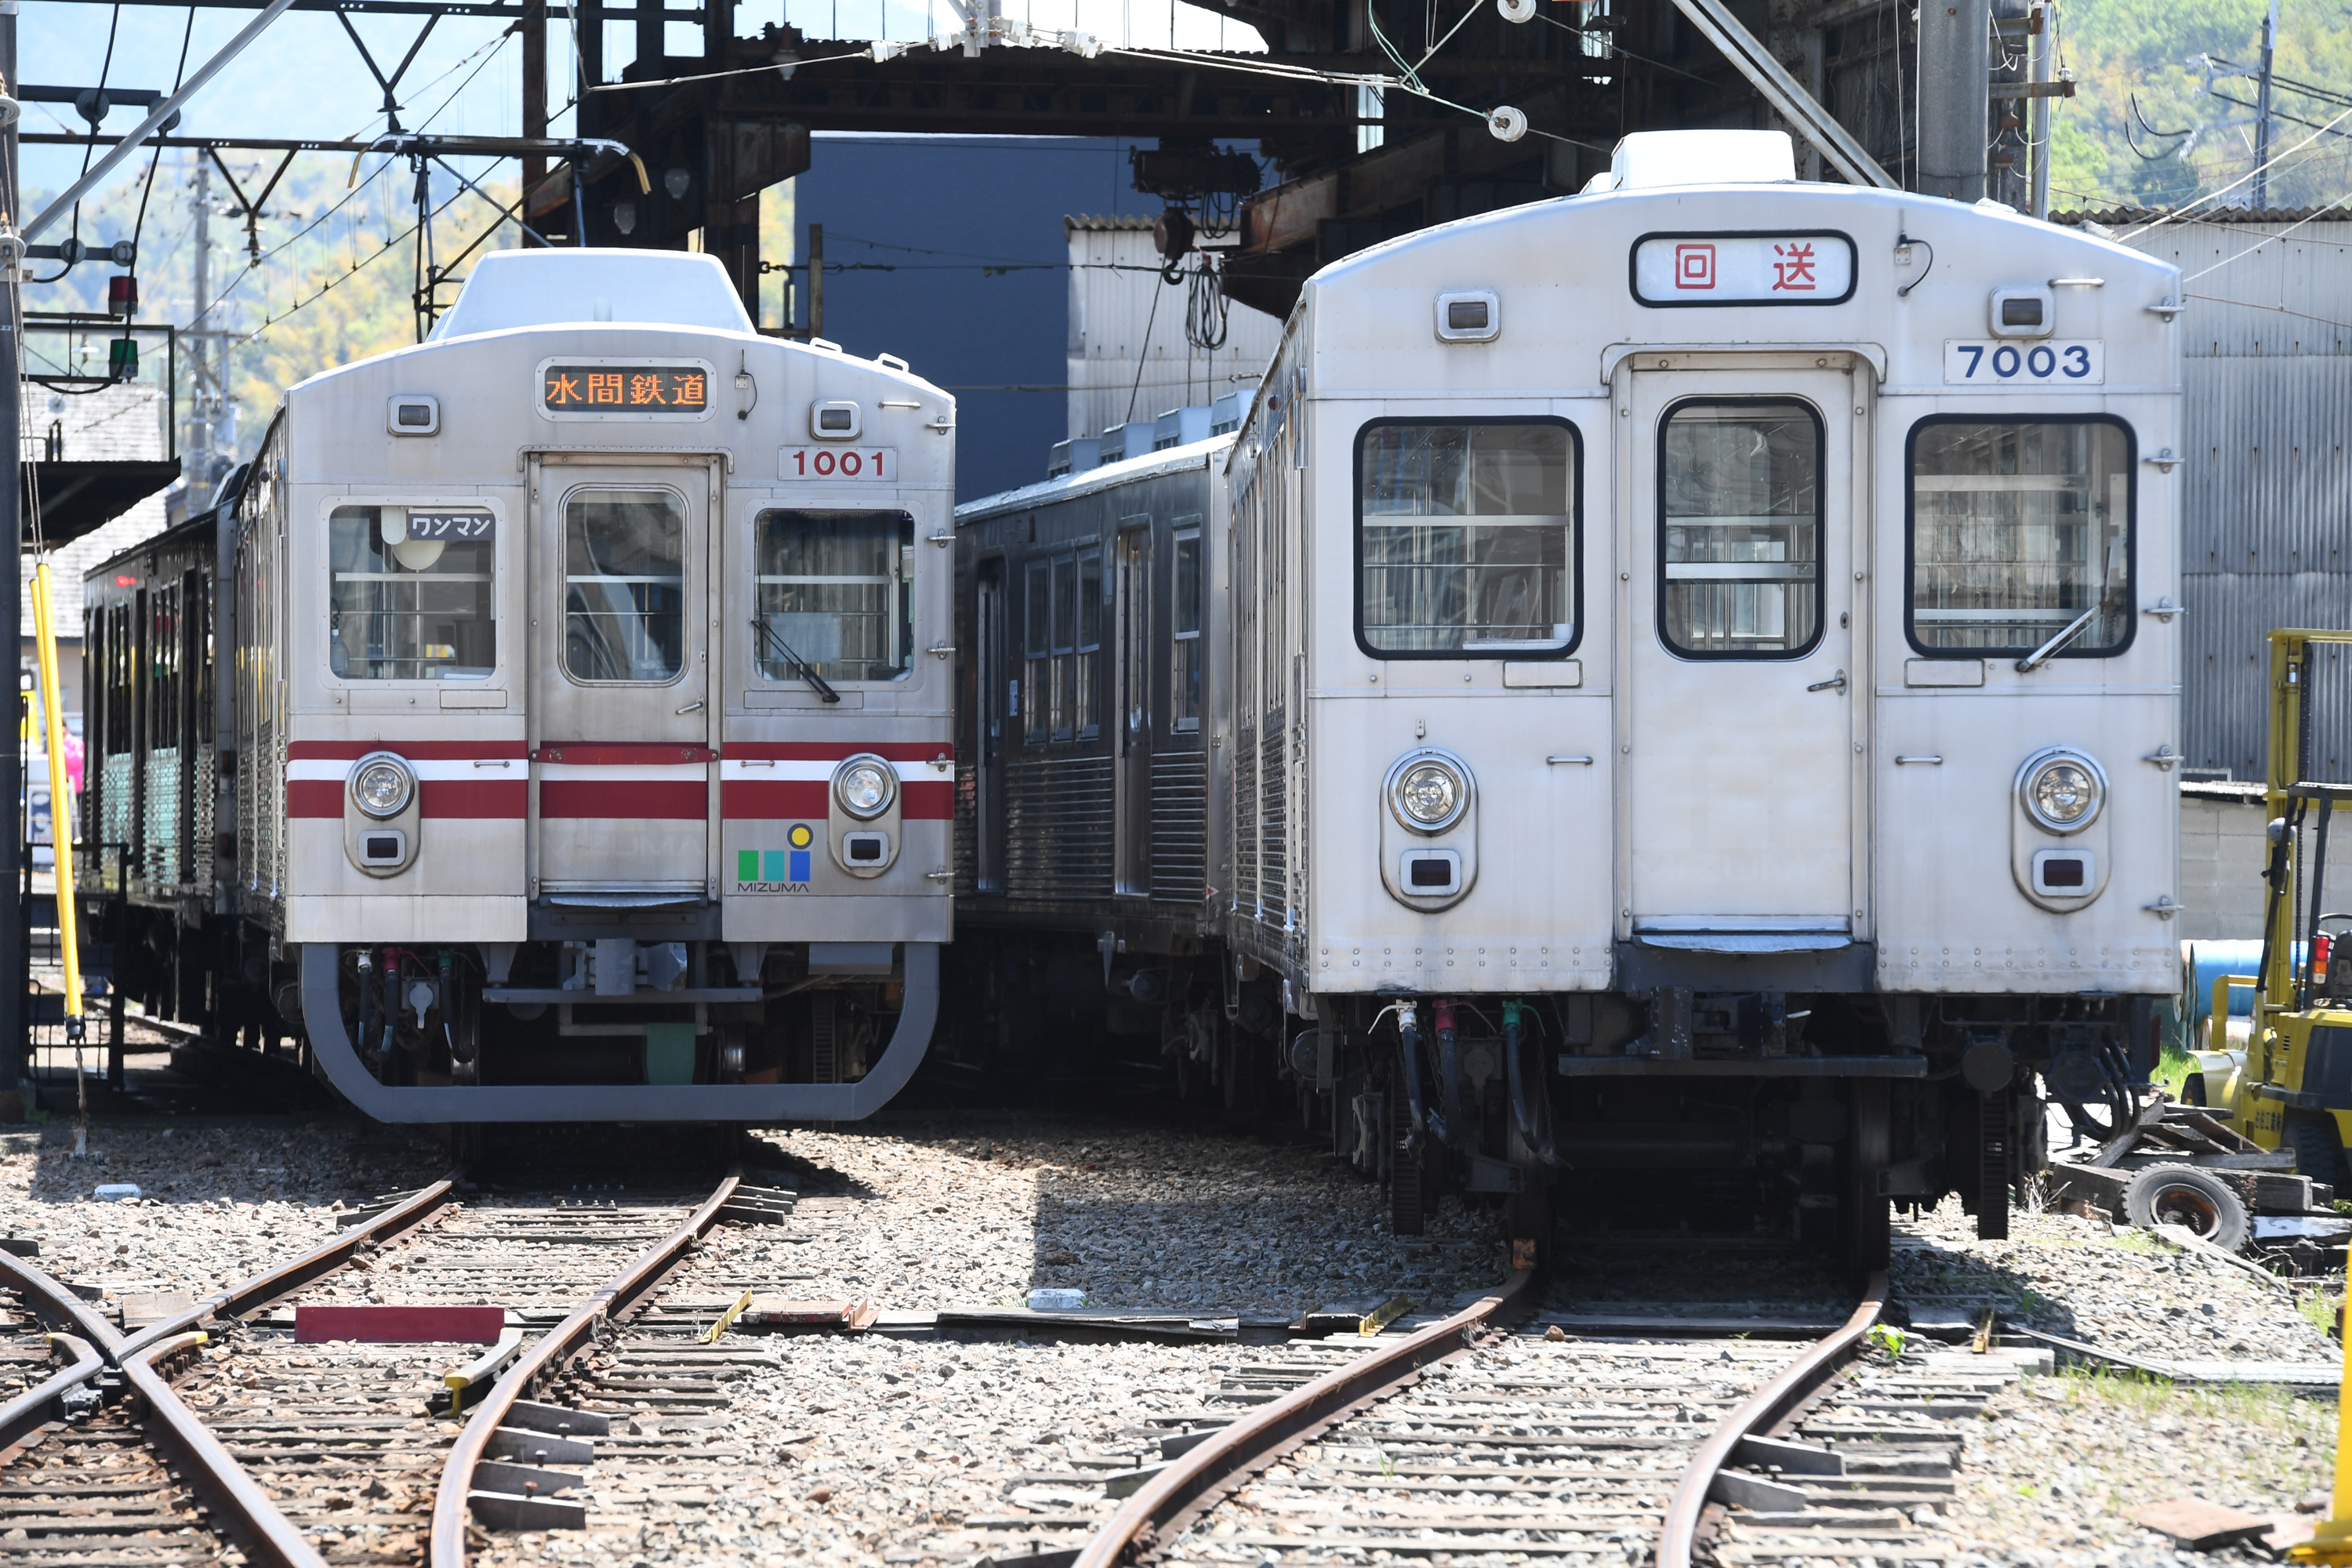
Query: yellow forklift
[[2291, 1082]]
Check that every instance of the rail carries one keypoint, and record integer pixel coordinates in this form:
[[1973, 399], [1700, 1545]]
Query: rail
[[452, 1503], [1788, 1388], [32, 1409], [239, 1506], [1164, 1504]]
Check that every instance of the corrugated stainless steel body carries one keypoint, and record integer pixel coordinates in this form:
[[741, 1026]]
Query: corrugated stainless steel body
[[1084, 801], [2266, 368]]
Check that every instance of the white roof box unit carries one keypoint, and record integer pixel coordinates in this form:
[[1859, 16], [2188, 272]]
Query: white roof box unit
[[1648, 159]]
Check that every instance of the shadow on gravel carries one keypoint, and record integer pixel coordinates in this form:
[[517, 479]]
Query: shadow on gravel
[[1941, 1288]]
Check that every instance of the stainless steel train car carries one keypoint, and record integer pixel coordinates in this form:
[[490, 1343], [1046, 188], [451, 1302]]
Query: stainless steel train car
[[557, 728], [1700, 696]]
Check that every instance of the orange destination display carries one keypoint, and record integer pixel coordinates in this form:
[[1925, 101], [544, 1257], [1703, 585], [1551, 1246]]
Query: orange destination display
[[637, 388]]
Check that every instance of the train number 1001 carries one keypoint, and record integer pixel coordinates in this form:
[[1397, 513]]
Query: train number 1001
[[841, 463], [2083, 363]]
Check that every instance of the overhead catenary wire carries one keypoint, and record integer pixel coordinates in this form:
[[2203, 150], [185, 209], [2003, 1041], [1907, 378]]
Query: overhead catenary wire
[[2179, 213]]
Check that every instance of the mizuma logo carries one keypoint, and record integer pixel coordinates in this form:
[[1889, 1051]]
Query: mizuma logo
[[777, 870]]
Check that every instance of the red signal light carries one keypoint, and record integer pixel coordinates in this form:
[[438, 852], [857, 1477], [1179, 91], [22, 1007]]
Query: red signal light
[[121, 581]]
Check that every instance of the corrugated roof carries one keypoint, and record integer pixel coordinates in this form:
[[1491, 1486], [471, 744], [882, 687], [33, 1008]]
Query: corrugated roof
[[1083, 223], [2116, 216]]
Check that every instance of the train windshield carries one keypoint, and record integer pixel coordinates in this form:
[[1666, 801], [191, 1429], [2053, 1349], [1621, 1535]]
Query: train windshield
[[2018, 529], [411, 592], [624, 585], [1741, 516], [1465, 531], [836, 593]]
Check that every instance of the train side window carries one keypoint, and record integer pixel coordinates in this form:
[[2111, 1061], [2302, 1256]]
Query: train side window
[[410, 593], [1739, 523], [1465, 539], [1184, 618], [2019, 529], [1062, 675], [624, 586], [1086, 712], [836, 590]]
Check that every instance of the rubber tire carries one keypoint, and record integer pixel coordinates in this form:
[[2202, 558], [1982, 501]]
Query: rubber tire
[[2318, 1151], [2182, 1194]]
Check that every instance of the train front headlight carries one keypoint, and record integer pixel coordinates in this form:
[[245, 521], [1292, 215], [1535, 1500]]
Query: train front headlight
[[2062, 790], [1429, 790], [382, 784], [866, 785]]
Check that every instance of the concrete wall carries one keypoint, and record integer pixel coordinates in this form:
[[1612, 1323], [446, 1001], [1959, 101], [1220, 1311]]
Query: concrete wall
[[2221, 856]]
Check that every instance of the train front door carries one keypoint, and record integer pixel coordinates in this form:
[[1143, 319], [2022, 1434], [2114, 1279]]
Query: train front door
[[620, 720], [1739, 721]]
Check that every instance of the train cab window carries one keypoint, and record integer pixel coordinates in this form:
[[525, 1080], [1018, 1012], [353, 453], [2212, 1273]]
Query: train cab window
[[1061, 676], [1184, 683], [2019, 529], [1740, 522], [1465, 539], [624, 585], [411, 593], [836, 589]]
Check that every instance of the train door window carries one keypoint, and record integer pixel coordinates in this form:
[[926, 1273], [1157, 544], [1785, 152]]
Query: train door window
[[410, 593], [837, 592], [1086, 713], [1133, 587], [624, 585], [1740, 518], [1064, 699], [1465, 539], [1037, 646], [2020, 529], [1184, 633]]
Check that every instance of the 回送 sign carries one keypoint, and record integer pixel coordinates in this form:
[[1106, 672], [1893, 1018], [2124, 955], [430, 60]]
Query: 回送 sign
[[624, 389], [1743, 268]]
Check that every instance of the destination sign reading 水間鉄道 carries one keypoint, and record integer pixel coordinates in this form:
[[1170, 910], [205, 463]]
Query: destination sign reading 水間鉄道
[[624, 389], [1743, 268]]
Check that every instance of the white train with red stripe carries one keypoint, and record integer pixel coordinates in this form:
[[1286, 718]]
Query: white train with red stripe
[[580, 744]]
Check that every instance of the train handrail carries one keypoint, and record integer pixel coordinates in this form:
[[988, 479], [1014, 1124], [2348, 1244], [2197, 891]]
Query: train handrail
[[1164, 1503], [452, 1503], [1768, 1404]]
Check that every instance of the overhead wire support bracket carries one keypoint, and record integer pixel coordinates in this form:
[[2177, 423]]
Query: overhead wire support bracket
[[1798, 107], [156, 119]]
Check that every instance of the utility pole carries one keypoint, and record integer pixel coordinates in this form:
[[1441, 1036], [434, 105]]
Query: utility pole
[[15, 978], [1953, 98], [2261, 197], [203, 387]]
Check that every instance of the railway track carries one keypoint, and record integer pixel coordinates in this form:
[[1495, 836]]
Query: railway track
[[1477, 1438], [220, 1430]]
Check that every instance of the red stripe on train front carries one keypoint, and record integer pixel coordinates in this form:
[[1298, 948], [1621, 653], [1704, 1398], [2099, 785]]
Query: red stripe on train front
[[764, 800], [669, 800], [421, 750], [481, 799]]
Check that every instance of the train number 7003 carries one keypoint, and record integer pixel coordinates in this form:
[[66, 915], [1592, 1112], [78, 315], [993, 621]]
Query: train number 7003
[[2083, 363]]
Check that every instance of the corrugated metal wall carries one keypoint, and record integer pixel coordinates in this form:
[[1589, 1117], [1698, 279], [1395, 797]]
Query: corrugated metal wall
[[1120, 309], [2266, 347]]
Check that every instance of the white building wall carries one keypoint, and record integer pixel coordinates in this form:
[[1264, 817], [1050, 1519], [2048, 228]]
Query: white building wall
[[1124, 319], [2223, 850]]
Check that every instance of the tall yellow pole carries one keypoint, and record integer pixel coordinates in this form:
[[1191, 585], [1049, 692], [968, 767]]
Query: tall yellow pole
[[61, 805]]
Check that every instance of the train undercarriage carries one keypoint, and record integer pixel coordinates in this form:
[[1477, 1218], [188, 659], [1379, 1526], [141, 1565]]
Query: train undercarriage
[[1810, 1115]]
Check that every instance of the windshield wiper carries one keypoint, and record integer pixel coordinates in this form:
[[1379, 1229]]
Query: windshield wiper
[[772, 638], [2041, 656]]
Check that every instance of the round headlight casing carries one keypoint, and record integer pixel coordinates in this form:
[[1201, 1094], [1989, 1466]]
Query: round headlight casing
[[1428, 791], [2062, 790], [866, 785], [382, 784]]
